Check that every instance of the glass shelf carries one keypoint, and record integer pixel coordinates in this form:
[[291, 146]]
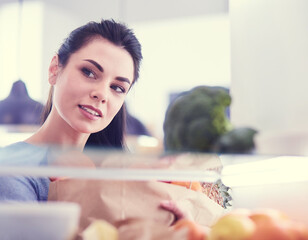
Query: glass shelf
[[112, 165], [234, 170], [261, 170]]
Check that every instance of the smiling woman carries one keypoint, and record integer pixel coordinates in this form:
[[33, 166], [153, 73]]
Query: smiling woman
[[90, 77], [88, 91]]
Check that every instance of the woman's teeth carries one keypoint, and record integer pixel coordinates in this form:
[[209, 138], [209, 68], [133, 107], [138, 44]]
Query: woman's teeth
[[90, 111]]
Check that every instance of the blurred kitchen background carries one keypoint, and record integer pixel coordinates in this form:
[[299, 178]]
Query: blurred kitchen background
[[257, 49]]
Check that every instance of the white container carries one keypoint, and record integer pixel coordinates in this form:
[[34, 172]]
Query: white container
[[37, 221]]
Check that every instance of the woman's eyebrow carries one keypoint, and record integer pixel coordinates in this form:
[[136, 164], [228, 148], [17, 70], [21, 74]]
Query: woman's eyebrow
[[123, 79], [99, 67]]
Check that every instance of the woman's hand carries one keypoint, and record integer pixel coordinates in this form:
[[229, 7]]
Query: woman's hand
[[170, 206]]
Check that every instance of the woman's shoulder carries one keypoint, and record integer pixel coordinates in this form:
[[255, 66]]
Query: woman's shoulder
[[23, 188], [22, 153]]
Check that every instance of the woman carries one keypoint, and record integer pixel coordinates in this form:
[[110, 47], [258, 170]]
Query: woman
[[96, 65], [90, 77]]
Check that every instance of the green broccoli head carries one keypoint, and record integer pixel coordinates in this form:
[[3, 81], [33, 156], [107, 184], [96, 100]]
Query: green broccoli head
[[238, 140], [196, 119]]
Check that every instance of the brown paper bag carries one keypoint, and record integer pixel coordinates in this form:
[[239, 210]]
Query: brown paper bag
[[139, 229], [115, 201]]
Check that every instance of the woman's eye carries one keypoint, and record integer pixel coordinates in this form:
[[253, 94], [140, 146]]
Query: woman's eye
[[88, 72], [118, 89]]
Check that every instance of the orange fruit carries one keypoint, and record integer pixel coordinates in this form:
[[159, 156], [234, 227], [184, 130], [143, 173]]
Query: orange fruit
[[298, 230], [271, 224], [268, 214], [272, 230], [196, 186], [194, 231]]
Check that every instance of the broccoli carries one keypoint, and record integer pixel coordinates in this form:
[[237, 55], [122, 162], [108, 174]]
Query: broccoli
[[238, 140], [196, 121]]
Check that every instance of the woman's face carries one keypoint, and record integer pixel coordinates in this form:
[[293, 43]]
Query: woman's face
[[91, 88]]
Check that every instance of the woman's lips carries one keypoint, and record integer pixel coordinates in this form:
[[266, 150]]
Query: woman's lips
[[90, 112]]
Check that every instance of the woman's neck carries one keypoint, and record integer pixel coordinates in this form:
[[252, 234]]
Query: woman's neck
[[58, 133]]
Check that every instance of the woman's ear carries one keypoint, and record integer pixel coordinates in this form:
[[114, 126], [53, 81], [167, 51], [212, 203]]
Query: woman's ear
[[53, 70]]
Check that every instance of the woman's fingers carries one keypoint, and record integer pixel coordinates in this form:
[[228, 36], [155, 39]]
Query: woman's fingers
[[173, 208]]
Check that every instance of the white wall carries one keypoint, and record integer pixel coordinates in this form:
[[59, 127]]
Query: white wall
[[20, 47], [269, 57], [184, 44], [178, 55]]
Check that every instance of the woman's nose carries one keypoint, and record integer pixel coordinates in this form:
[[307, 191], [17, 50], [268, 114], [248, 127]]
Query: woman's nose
[[100, 94]]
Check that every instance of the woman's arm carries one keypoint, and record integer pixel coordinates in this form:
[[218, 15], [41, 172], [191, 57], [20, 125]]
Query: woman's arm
[[23, 188]]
